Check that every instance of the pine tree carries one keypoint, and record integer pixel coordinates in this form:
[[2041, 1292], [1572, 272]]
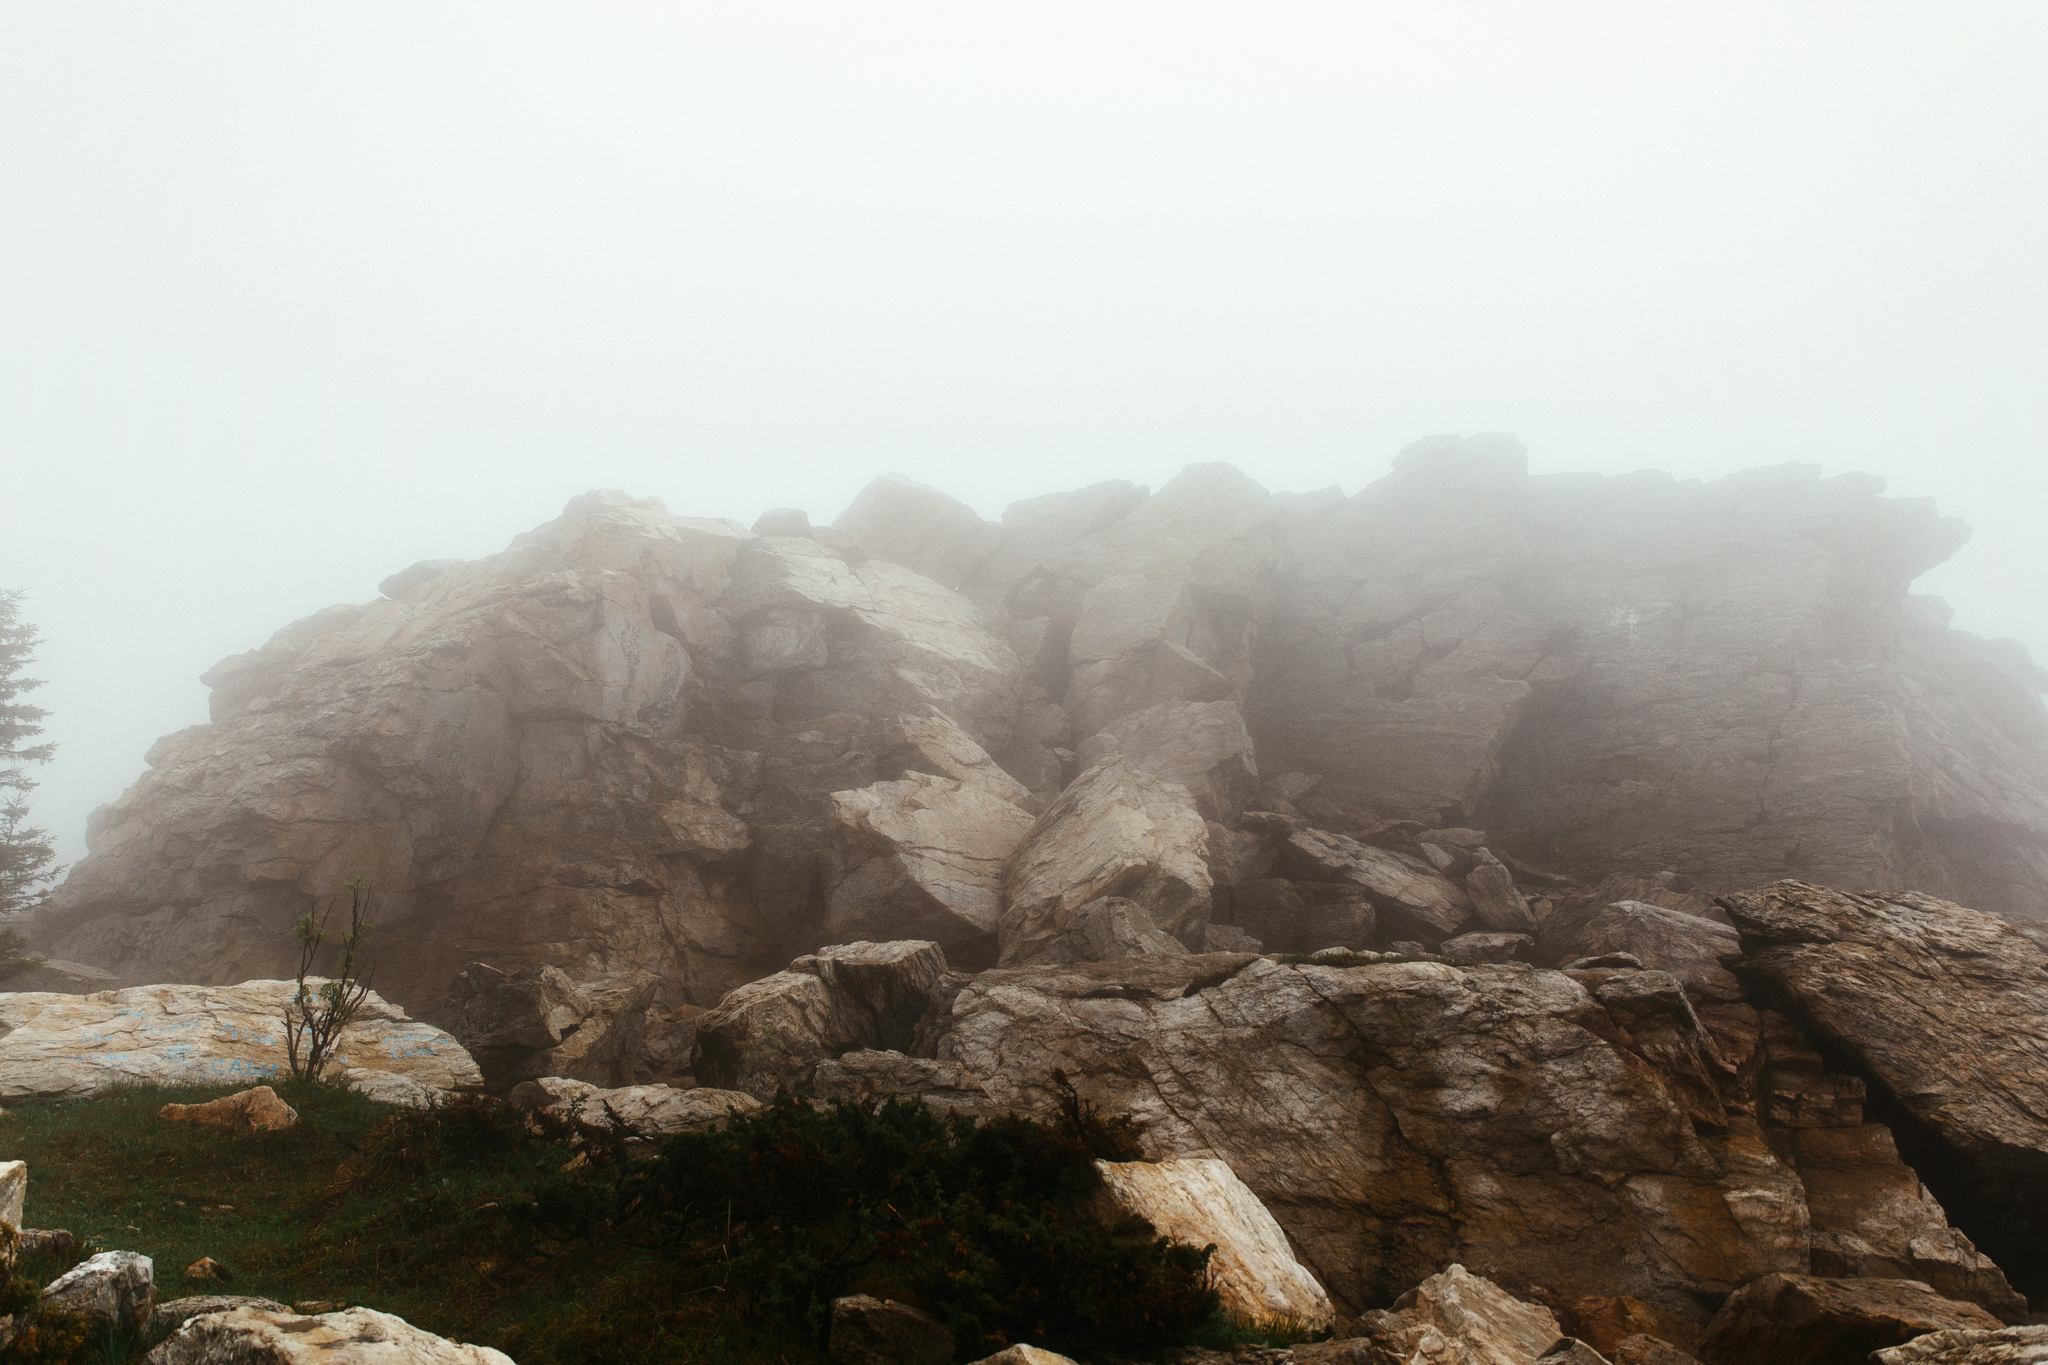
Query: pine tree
[[26, 854]]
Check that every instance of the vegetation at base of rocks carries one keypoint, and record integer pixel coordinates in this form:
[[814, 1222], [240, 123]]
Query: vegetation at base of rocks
[[27, 857], [989, 1227], [316, 1015], [709, 1247]]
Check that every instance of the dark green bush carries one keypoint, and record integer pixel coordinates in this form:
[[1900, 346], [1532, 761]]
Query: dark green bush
[[990, 1227]]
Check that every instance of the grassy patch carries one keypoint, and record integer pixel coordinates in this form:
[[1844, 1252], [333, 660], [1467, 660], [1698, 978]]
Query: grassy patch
[[721, 1247]]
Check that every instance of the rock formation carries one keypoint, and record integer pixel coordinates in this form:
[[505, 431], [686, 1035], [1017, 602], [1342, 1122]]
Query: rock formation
[[1368, 846]]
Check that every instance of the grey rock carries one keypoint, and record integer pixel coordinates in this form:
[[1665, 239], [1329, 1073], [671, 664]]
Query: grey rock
[[2005, 1346], [1116, 831], [869, 1075], [920, 856], [783, 521], [920, 528], [772, 1034], [1228, 938], [1203, 746], [116, 1289], [537, 1022], [1489, 947], [172, 1314], [1399, 884], [1687, 946], [871, 1331], [1106, 930], [1499, 906]]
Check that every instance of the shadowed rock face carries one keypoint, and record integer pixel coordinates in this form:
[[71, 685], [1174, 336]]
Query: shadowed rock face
[[643, 742]]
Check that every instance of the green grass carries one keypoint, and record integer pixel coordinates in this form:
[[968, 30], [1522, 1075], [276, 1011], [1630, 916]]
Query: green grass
[[421, 1231]]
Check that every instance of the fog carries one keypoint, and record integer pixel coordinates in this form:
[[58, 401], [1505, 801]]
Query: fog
[[292, 296]]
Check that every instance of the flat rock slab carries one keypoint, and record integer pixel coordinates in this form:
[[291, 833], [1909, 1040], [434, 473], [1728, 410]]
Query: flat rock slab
[[359, 1336], [74, 1046]]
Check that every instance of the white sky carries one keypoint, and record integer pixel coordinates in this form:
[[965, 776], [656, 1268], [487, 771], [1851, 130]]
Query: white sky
[[292, 295]]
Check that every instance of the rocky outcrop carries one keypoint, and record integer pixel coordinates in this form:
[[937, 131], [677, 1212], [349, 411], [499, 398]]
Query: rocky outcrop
[[1202, 1202], [1801, 1320], [257, 1334], [1685, 945], [70, 1046], [772, 1034], [1943, 1010], [1399, 1116]]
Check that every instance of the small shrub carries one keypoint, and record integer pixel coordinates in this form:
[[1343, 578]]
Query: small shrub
[[316, 1015]]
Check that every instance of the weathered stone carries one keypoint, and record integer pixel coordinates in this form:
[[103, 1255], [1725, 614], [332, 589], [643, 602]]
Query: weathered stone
[[1802, 1320], [1397, 1116], [171, 1314], [1106, 930], [920, 528], [2006, 1346], [1605, 1323], [66, 978], [1489, 948], [1228, 938], [1571, 1351], [921, 856], [1496, 902], [1644, 1349], [206, 1268], [1873, 1219], [260, 1336], [13, 1190], [1943, 1009], [116, 1289], [257, 1110], [871, 1331], [72, 1046], [1461, 1319], [870, 1075], [647, 1111], [1302, 917], [1687, 946], [1399, 884], [1117, 831], [1025, 1355], [772, 1034], [934, 743], [1202, 1202], [1201, 745]]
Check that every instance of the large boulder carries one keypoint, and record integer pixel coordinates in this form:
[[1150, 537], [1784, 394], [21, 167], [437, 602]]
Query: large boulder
[[874, 1075], [73, 1046], [1202, 1202], [1409, 893], [258, 1335], [772, 1034], [870, 1331], [919, 527], [1802, 1320], [116, 1289], [920, 857], [1943, 1010], [1461, 1319], [1117, 831], [1203, 746], [1108, 929]]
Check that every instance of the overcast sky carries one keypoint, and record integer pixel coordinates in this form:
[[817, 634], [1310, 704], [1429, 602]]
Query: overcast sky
[[292, 295]]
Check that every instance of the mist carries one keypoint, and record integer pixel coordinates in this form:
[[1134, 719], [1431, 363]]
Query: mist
[[291, 298]]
